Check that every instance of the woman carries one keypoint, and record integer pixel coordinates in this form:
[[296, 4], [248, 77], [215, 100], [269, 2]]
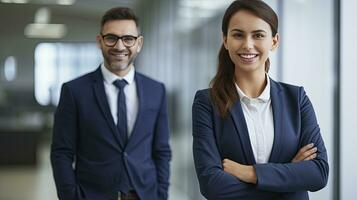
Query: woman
[[253, 137]]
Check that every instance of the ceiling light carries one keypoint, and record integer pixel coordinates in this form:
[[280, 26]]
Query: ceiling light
[[42, 28], [58, 2], [14, 1], [66, 2], [42, 16], [20, 1], [205, 4], [53, 31]]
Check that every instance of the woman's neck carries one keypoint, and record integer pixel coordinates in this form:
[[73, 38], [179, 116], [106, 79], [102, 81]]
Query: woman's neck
[[252, 84]]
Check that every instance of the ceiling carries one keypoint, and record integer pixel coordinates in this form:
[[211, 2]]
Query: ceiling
[[15, 16], [18, 15], [87, 8]]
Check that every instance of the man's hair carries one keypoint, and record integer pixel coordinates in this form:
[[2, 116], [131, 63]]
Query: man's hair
[[119, 13]]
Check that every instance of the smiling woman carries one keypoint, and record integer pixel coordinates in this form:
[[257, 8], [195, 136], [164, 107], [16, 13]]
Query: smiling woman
[[253, 137], [248, 41]]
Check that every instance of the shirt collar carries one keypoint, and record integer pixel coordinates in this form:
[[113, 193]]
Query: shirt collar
[[264, 96], [109, 77]]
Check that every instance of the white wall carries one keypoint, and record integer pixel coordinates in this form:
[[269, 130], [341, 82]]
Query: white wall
[[348, 100], [307, 53]]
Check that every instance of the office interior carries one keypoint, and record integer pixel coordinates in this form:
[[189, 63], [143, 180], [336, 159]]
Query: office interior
[[44, 43]]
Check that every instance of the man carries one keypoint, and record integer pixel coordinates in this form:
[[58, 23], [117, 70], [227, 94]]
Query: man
[[110, 135]]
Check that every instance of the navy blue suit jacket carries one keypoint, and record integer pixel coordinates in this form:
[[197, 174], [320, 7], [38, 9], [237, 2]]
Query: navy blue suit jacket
[[216, 138], [85, 133]]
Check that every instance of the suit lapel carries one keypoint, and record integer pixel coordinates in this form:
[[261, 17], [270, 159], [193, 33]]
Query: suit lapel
[[242, 130], [278, 116], [101, 97]]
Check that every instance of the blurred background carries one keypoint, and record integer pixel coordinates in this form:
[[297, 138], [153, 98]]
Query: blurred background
[[44, 43]]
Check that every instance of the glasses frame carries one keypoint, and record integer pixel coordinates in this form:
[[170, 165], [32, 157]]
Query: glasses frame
[[119, 38]]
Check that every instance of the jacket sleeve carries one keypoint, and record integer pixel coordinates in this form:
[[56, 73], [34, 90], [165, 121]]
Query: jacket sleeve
[[161, 149], [214, 182], [309, 175], [63, 146]]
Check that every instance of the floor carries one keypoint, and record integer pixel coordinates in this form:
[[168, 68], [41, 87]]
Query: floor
[[36, 183]]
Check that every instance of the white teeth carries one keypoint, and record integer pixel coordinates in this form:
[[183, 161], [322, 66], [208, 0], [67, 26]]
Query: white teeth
[[121, 55], [248, 56]]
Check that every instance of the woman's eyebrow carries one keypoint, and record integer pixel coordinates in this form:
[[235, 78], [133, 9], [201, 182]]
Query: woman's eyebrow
[[241, 31]]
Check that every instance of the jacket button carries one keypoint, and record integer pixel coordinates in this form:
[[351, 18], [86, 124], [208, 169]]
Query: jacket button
[[125, 154]]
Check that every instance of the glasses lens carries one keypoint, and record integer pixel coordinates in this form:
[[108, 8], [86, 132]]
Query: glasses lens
[[128, 40], [110, 40]]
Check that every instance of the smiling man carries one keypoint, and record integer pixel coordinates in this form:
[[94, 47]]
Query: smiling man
[[111, 135]]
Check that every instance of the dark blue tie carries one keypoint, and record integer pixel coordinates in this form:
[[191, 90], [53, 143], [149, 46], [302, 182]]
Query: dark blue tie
[[121, 114], [124, 183]]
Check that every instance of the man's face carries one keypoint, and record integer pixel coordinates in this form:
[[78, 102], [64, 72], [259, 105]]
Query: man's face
[[119, 58]]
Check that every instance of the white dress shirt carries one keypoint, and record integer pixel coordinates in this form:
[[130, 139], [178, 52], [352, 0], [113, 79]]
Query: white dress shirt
[[258, 115], [131, 96]]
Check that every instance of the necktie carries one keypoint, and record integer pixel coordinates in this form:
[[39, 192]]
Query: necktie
[[121, 112]]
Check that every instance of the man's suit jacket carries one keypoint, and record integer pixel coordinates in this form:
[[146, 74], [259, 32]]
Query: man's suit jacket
[[84, 133], [216, 138]]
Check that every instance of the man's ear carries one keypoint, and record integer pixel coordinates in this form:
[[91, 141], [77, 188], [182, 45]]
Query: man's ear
[[98, 39], [140, 43]]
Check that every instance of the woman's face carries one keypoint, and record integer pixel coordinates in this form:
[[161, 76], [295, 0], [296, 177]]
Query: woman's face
[[249, 40]]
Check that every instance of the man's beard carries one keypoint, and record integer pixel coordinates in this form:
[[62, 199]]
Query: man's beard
[[115, 65]]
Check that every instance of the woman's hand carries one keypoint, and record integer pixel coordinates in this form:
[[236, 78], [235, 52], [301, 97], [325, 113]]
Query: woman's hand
[[245, 173], [307, 152]]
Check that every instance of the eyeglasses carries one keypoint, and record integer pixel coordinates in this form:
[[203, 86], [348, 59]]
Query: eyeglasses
[[111, 40]]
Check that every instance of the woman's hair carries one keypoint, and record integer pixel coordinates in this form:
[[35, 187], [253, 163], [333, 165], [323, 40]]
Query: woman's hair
[[223, 90]]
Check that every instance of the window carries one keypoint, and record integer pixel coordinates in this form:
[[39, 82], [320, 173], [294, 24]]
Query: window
[[10, 68], [56, 63]]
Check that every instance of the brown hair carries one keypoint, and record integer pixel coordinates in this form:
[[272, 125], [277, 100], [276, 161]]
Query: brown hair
[[223, 91], [119, 13]]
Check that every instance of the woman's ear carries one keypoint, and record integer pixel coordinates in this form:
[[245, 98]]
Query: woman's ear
[[224, 38], [275, 42]]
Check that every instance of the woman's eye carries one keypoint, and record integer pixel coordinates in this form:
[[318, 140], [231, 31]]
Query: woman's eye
[[258, 36], [237, 35]]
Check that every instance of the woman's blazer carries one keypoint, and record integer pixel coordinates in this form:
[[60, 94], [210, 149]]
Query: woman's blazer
[[216, 138]]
